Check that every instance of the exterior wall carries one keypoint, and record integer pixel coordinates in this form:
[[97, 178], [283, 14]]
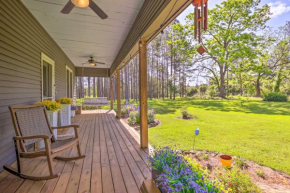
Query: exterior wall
[[22, 40]]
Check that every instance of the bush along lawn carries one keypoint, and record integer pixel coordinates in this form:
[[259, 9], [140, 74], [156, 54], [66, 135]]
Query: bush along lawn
[[182, 174]]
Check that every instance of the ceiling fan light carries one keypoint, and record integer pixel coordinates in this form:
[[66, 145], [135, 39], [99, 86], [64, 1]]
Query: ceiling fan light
[[92, 64], [81, 3]]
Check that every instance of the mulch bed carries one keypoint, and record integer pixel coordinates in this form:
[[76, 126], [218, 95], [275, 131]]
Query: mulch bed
[[188, 118], [272, 182]]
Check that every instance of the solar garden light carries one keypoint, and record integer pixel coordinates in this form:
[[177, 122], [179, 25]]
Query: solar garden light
[[195, 134]]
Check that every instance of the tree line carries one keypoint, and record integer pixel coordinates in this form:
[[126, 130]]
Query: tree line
[[243, 56]]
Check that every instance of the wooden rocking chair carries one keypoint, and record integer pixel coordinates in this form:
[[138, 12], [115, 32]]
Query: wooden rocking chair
[[31, 125]]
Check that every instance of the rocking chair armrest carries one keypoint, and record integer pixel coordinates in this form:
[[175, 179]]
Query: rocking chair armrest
[[65, 126], [30, 137]]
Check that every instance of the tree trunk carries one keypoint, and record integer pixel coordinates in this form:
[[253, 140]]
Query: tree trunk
[[222, 84], [258, 87], [174, 66], [241, 84], [171, 74], [278, 81]]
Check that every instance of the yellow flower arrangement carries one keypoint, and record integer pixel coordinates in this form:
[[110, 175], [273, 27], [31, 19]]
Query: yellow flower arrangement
[[51, 105], [67, 101]]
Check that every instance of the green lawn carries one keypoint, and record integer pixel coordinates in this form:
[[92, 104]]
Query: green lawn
[[251, 129], [255, 130]]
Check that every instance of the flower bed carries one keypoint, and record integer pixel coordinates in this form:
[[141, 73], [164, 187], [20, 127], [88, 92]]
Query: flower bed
[[184, 174], [177, 175], [132, 112]]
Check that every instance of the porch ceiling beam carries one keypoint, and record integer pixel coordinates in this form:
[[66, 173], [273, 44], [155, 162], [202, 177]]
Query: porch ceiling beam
[[92, 72], [153, 17]]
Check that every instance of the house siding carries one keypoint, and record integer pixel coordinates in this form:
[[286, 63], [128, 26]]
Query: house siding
[[22, 40]]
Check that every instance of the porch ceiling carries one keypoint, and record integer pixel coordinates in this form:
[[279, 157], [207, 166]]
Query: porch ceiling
[[82, 33]]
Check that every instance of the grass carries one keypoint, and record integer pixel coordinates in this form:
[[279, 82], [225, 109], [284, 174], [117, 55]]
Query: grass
[[247, 128]]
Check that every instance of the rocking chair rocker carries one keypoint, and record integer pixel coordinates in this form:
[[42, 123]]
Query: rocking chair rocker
[[31, 125]]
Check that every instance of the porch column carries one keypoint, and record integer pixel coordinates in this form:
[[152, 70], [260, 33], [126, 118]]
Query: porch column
[[118, 95], [143, 94], [111, 92]]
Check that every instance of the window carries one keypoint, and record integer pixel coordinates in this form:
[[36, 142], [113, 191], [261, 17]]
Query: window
[[69, 82], [47, 69]]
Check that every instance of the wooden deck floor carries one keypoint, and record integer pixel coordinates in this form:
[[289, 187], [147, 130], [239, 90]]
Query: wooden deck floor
[[114, 161]]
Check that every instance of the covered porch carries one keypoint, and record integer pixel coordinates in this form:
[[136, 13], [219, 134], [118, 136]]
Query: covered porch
[[114, 161], [42, 53]]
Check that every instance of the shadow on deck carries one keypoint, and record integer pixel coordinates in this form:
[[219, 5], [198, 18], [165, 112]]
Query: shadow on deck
[[114, 161]]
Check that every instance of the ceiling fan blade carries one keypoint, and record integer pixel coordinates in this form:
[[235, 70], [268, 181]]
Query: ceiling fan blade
[[67, 8], [98, 10], [100, 63]]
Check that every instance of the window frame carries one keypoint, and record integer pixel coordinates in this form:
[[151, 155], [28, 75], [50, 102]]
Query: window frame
[[70, 83], [52, 63]]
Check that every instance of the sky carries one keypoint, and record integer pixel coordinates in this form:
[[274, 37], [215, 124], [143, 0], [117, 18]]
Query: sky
[[280, 10]]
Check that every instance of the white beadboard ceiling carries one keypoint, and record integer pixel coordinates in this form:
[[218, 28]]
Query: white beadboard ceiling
[[82, 33]]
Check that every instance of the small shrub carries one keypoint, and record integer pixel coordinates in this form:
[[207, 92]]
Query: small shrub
[[126, 109], [260, 173], [202, 89], [241, 163], [151, 115], [134, 117], [205, 156], [67, 101], [275, 96], [185, 113], [192, 91], [237, 181], [212, 94]]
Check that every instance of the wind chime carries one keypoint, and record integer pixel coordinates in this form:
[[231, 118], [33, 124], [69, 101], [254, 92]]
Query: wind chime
[[200, 20]]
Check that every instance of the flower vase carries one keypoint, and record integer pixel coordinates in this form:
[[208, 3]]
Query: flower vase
[[52, 118], [65, 114], [73, 113]]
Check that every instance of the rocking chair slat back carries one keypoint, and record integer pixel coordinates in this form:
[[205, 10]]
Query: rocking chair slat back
[[31, 121]]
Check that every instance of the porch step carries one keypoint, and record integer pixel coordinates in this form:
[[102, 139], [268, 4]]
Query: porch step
[[148, 186]]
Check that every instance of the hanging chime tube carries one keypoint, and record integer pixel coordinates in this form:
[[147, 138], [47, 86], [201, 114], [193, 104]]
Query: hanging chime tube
[[205, 16], [195, 20], [199, 28], [202, 14]]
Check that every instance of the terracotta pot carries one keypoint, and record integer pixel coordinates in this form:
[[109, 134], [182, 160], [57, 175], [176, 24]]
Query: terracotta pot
[[155, 174], [79, 110], [226, 160]]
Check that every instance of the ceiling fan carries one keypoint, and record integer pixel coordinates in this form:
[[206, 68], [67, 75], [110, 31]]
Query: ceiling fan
[[93, 62], [84, 3]]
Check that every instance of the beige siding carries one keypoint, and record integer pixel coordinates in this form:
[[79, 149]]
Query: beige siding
[[22, 40]]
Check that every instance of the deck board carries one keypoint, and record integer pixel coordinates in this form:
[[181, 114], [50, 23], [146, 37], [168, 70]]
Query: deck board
[[114, 161]]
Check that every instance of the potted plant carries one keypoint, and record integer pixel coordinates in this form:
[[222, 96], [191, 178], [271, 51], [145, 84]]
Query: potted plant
[[65, 112], [52, 109], [73, 110], [226, 161]]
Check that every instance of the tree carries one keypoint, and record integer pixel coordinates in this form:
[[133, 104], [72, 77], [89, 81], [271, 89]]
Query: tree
[[231, 34]]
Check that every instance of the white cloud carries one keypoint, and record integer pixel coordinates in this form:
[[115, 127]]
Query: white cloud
[[278, 8]]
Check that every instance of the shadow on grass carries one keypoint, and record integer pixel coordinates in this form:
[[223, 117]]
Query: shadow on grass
[[257, 107]]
